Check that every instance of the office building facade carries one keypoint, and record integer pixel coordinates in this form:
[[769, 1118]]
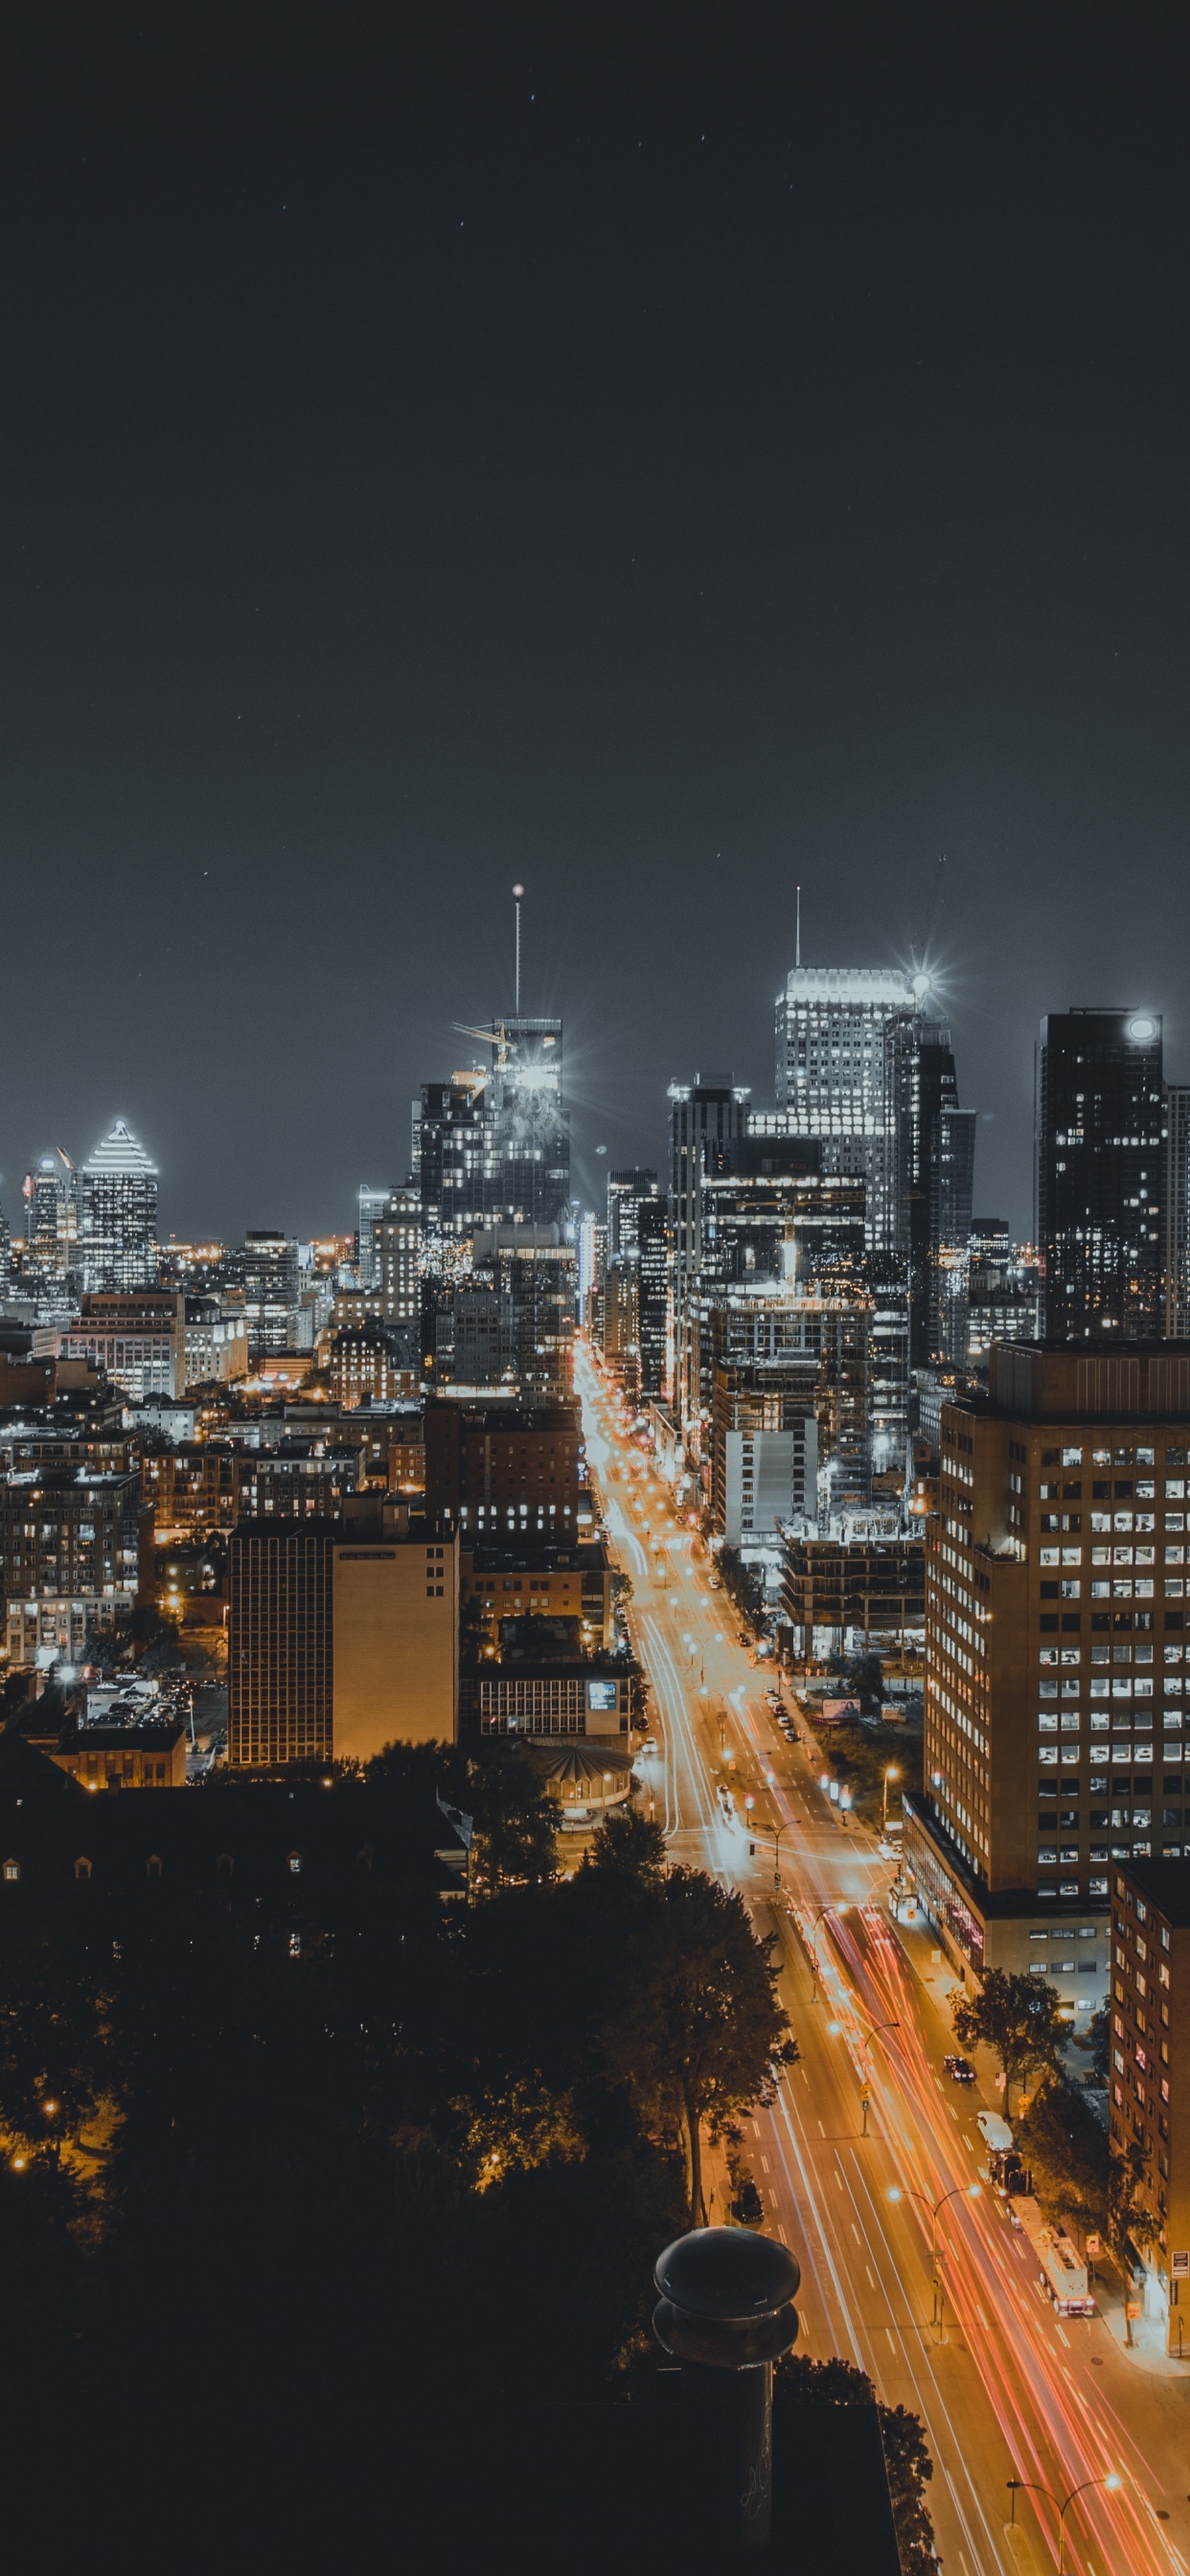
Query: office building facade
[[847, 1044], [1055, 1633], [342, 1637], [117, 1214]]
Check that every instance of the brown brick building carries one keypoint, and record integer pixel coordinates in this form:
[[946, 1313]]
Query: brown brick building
[[1055, 1639]]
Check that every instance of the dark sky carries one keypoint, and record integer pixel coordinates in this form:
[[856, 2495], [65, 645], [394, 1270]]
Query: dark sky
[[659, 454]]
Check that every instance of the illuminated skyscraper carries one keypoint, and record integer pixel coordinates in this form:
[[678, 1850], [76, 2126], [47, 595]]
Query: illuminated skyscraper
[[50, 1217], [847, 1042], [1101, 1169], [118, 1214]]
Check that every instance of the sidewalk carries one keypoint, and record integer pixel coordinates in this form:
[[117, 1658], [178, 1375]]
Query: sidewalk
[[1147, 2350]]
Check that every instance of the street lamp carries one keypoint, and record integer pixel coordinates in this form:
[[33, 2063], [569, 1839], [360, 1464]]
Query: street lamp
[[1032, 2486], [961, 2191], [892, 1773]]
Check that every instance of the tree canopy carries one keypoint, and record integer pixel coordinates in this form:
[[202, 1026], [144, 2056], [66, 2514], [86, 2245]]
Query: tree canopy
[[1017, 2018], [696, 2031]]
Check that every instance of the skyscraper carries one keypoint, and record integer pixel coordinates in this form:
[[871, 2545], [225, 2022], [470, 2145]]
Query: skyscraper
[[701, 1113], [1177, 1210], [847, 1042], [118, 1214], [625, 1191], [492, 1145], [1101, 1152], [50, 1222], [531, 1125], [940, 1154]]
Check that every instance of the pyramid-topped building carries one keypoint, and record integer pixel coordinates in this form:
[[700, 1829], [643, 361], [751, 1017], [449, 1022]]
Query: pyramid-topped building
[[118, 1213]]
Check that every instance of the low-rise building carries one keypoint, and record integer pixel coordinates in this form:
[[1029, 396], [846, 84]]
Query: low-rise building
[[138, 1338], [866, 1582], [145, 1756], [75, 1553], [535, 1580], [537, 1702]]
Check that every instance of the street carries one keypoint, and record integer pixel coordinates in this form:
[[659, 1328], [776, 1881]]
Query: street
[[1005, 2388]]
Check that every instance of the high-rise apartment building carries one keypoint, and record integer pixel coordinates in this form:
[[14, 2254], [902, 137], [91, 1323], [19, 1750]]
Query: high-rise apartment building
[[1055, 1642], [1101, 1169], [117, 1214]]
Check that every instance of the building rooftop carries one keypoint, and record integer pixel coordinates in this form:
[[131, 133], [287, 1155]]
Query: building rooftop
[[1165, 1884]]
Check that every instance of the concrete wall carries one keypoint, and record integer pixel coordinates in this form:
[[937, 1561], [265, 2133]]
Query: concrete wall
[[396, 1636]]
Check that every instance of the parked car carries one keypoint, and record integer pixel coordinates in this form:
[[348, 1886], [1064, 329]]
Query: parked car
[[749, 2207], [959, 2069]]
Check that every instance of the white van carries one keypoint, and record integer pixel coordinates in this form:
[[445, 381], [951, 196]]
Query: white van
[[994, 2131]]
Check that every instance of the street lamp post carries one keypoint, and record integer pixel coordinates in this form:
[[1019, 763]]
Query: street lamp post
[[960, 2191], [1032, 2486]]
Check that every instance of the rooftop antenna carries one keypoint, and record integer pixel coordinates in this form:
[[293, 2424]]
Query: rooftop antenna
[[798, 950], [517, 892]]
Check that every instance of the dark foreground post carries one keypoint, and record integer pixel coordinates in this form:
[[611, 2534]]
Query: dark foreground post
[[725, 2314]]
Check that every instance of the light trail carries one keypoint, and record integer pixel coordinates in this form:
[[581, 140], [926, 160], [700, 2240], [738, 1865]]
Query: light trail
[[996, 2389]]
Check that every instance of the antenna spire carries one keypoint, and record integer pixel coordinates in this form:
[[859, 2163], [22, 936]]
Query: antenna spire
[[517, 892], [798, 950]]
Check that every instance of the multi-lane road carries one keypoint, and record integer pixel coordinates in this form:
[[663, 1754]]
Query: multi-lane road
[[1004, 2387]]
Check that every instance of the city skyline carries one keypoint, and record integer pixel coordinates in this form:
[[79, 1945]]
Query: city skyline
[[595, 1128], [661, 488]]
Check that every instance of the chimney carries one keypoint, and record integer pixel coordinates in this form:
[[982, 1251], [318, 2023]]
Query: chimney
[[725, 2314]]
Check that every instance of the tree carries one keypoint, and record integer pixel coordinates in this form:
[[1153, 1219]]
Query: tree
[[1067, 2147], [907, 2463], [515, 1821], [1098, 2042], [630, 1843], [696, 2032], [744, 1584], [1016, 2017], [52, 2060]]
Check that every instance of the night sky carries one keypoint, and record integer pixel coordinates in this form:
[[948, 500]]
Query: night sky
[[658, 454]]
